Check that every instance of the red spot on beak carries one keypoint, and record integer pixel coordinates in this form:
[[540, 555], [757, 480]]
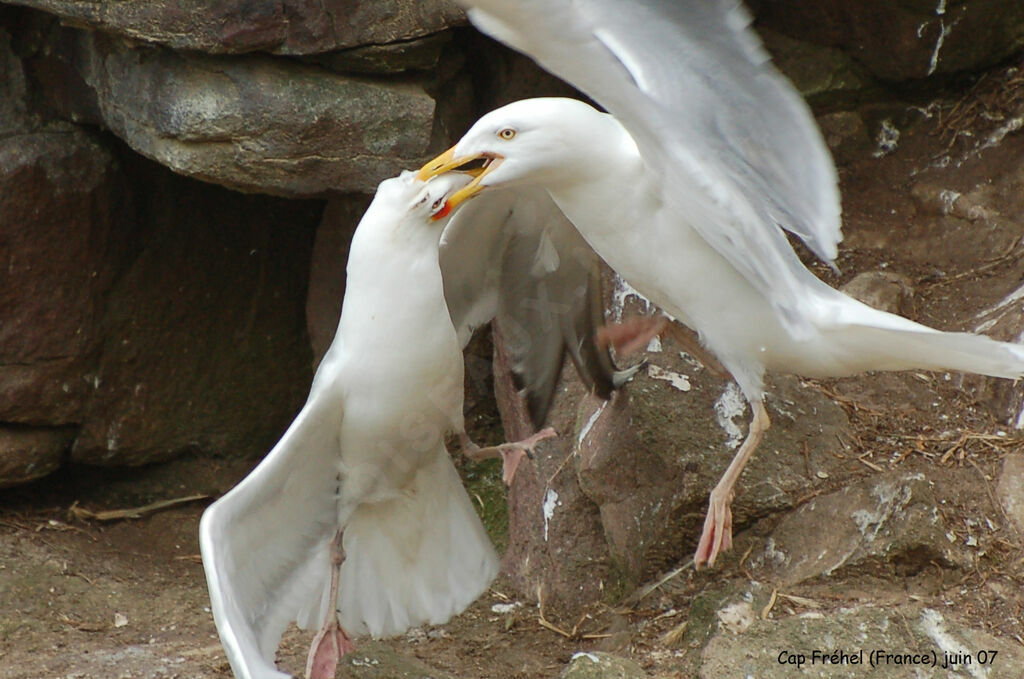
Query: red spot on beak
[[443, 212]]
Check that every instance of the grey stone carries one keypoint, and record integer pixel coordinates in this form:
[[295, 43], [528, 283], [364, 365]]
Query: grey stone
[[891, 518], [204, 333], [59, 200], [1010, 489], [817, 72], [13, 93], [376, 660], [771, 649], [598, 665], [906, 39], [410, 55], [846, 135], [29, 453], [282, 26], [621, 495], [883, 290], [256, 123]]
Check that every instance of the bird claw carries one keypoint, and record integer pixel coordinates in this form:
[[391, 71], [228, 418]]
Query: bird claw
[[512, 453], [717, 535], [329, 646]]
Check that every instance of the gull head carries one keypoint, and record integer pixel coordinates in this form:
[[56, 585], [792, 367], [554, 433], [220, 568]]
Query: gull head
[[431, 201], [404, 202], [533, 141]]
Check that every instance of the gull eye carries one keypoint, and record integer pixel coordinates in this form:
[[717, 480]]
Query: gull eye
[[507, 133], [437, 204]]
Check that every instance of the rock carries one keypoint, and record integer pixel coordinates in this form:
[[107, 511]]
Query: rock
[[13, 93], [282, 26], [883, 290], [205, 345], [1010, 490], [621, 494], [29, 453], [256, 123], [59, 200], [886, 518], [410, 55], [506, 76], [846, 135], [906, 39], [596, 665], [375, 660], [818, 73], [557, 549], [773, 649]]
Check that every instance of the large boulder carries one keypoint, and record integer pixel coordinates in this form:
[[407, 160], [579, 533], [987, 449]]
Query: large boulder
[[141, 314], [59, 195], [204, 345], [257, 123], [906, 39], [621, 494], [29, 453], [904, 642], [885, 519], [282, 26]]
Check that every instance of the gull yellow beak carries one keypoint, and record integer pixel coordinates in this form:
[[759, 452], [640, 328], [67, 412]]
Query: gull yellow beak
[[447, 162]]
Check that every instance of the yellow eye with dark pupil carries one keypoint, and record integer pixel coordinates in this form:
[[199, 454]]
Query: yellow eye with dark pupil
[[507, 133]]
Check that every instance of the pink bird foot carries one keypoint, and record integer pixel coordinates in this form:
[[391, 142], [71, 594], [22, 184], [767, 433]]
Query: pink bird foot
[[331, 643], [329, 646], [717, 535], [511, 454]]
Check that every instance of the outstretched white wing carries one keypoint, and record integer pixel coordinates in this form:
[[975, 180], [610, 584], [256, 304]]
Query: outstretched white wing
[[736, 147], [264, 543], [517, 258]]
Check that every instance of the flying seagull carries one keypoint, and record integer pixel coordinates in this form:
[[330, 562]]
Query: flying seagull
[[686, 189], [356, 521]]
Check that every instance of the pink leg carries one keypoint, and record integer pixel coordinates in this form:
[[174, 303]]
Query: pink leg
[[511, 454], [632, 334], [635, 333], [331, 642], [717, 535]]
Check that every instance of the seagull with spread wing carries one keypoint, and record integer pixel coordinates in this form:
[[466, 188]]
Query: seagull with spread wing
[[687, 187], [357, 521]]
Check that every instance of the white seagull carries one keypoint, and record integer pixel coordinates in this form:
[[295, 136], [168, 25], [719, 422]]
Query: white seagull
[[686, 189], [357, 521]]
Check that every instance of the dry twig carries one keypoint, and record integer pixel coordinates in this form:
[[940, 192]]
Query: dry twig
[[81, 513]]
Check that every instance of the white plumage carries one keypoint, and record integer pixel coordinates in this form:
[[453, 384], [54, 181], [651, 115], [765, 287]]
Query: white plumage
[[366, 457], [687, 189], [366, 454]]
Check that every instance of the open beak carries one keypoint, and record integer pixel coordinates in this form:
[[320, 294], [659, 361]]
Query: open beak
[[447, 162]]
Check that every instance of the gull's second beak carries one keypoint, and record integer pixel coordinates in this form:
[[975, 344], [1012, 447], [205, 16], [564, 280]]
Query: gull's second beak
[[447, 162]]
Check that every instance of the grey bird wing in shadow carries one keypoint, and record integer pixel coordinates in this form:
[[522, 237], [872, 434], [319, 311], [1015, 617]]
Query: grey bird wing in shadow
[[513, 257]]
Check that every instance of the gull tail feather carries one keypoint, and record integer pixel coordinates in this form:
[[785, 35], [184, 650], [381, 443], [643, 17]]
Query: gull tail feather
[[415, 559], [877, 340]]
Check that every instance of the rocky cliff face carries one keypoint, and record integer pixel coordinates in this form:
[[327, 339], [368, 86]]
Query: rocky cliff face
[[178, 184]]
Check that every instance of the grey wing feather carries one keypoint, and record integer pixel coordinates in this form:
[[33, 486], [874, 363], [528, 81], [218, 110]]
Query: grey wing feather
[[737, 147], [512, 255], [264, 543]]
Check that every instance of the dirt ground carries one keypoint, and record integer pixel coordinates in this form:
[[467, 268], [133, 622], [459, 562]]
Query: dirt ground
[[85, 597]]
